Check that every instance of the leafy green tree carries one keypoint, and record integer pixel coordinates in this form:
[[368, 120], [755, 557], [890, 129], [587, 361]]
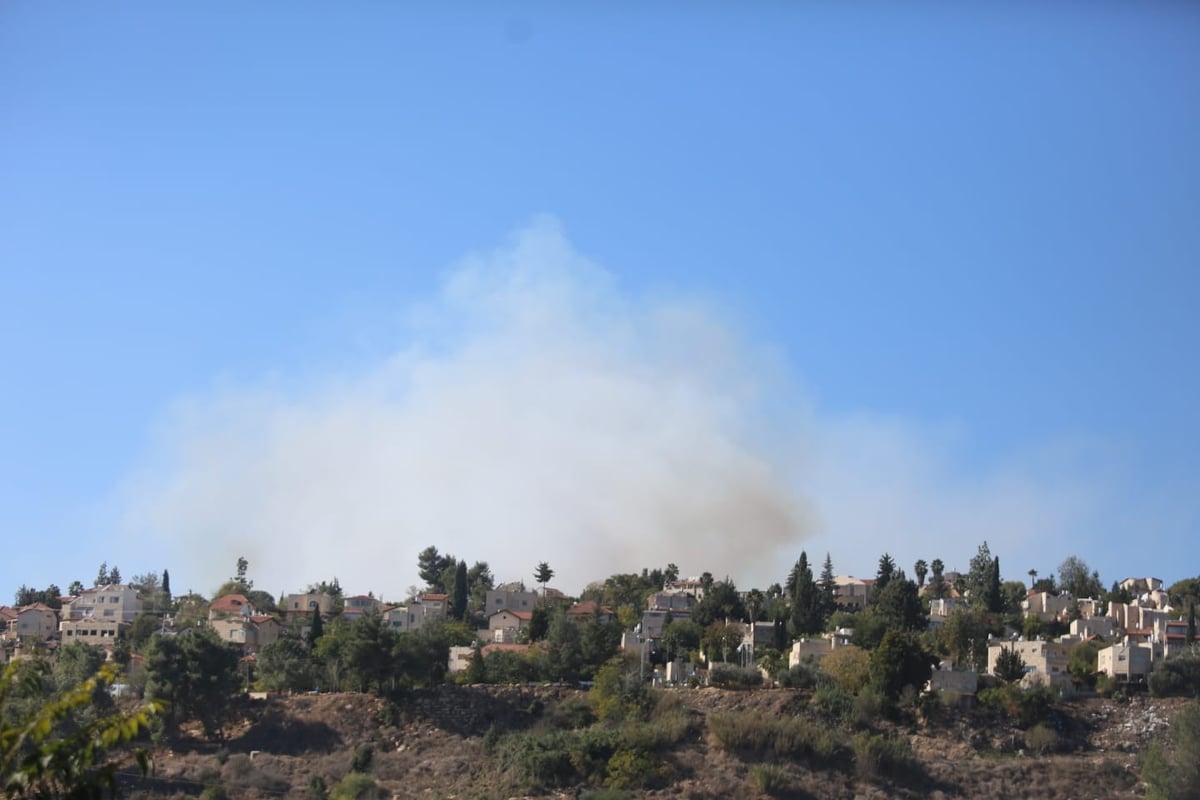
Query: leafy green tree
[[40, 758], [1171, 769], [285, 665], [143, 627], [480, 582], [196, 675], [539, 624], [964, 638], [50, 596], [900, 661], [1010, 667], [563, 649], [369, 654], [721, 602], [1083, 664], [1074, 576], [721, 641], [75, 589], [983, 580], [432, 567], [680, 638], [899, 604]]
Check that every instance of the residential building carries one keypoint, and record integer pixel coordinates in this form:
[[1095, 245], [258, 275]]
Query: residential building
[[359, 606], [692, 586], [423, 610], [1047, 607], [1087, 627], [510, 597], [851, 593], [1042, 658], [1137, 586], [302, 605], [504, 625], [97, 632], [37, 622], [1125, 663], [111, 602], [680, 604], [1133, 616], [590, 610]]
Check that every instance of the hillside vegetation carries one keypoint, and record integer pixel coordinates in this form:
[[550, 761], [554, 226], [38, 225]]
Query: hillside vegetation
[[547, 741]]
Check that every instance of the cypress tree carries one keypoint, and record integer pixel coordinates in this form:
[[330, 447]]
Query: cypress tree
[[316, 628]]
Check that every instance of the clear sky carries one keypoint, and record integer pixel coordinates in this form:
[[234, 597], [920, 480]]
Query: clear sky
[[600, 284]]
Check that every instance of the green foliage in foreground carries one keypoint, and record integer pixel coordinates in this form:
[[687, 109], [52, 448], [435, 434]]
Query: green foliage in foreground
[[46, 751], [1172, 768]]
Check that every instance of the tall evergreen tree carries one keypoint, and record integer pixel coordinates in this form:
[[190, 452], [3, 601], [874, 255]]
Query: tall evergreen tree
[[166, 584], [806, 600], [887, 568], [828, 590], [316, 627], [459, 603]]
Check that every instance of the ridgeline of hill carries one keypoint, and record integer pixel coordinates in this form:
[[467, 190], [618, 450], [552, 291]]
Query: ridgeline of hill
[[544, 741]]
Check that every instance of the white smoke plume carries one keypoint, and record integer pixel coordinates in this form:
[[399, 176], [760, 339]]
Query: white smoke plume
[[533, 412]]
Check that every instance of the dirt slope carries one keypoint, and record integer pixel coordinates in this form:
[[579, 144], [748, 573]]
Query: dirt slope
[[432, 744]]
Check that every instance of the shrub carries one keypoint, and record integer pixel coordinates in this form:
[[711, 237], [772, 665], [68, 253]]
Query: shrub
[[1041, 739], [1177, 677], [632, 769], [771, 779], [731, 676], [1171, 770], [867, 707], [572, 714], [786, 737], [833, 701], [317, 790], [362, 758], [878, 756], [619, 691], [356, 786], [805, 675], [606, 794]]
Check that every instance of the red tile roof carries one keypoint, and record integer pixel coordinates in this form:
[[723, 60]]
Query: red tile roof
[[229, 604]]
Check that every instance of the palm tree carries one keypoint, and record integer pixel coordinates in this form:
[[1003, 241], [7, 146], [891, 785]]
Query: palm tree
[[1032, 578], [921, 569]]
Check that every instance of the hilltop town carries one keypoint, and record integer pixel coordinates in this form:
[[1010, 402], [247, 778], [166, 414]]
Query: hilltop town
[[886, 656]]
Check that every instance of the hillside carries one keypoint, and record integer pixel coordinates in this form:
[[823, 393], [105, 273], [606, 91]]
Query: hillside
[[471, 742]]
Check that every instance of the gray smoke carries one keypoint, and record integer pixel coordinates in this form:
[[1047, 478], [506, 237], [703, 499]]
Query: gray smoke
[[533, 411]]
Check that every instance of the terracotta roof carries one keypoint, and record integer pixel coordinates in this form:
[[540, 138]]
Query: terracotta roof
[[588, 607], [229, 604], [36, 607], [258, 619], [525, 615], [8, 613], [435, 597]]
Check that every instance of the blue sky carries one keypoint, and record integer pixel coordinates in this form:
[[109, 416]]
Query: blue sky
[[927, 275]]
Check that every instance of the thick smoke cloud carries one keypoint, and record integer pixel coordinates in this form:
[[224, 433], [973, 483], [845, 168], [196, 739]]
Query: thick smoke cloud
[[532, 412]]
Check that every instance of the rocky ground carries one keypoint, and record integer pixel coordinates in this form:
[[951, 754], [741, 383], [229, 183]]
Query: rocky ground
[[433, 744]]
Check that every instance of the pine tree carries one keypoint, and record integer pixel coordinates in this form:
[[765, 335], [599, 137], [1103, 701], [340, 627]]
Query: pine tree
[[542, 574]]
